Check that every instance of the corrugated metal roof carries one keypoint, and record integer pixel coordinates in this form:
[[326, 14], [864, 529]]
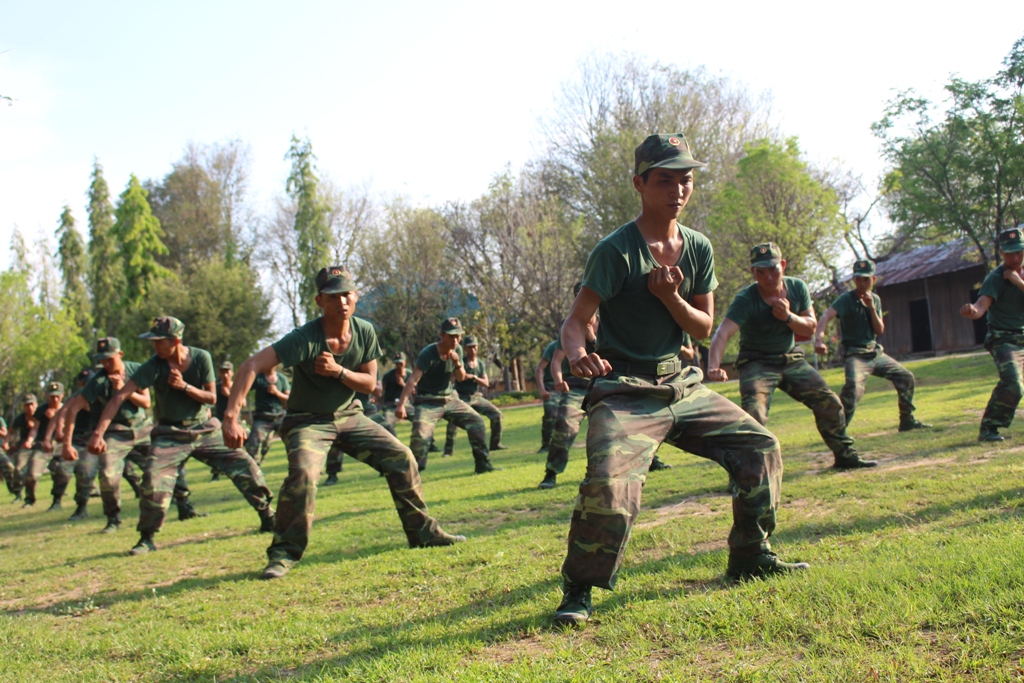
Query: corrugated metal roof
[[927, 262]]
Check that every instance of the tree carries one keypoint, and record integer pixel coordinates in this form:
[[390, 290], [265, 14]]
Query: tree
[[138, 235], [311, 226], [775, 197], [71, 253], [958, 170], [615, 102], [106, 277]]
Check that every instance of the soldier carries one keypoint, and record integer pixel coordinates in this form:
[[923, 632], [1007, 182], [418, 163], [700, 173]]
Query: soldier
[[546, 389], [392, 384], [860, 316], [470, 391], [226, 375], [60, 469], [333, 356], [31, 425], [767, 314], [652, 281], [1001, 299], [271, 399], [127, 438], [437, 365], [6, 466], [183, 381]]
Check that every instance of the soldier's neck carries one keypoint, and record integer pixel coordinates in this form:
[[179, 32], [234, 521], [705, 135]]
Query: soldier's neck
[[336, 328], [656, 229]]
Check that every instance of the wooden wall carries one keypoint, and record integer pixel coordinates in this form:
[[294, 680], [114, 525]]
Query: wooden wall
[[945, 294]]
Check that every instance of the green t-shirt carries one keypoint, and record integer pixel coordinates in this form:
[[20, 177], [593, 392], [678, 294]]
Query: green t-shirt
[[313, 393], [392, 390], [759, 329], [549, 355], [468, 387], [3, 423], [437, 373], [1006, 314], [173, 405], [20, 425], [635, 325], [265, 403], [98, 391], [855, 319]]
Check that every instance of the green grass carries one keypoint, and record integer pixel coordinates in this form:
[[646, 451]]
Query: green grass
[[917, 571]]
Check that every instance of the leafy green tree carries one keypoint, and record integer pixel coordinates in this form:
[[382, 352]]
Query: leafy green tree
[[958, 171], [106, 277], [71, 253], [775, 197], [312, 228], [139, 236]]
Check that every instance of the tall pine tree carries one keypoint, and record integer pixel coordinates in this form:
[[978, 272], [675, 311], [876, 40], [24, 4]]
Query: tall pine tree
[[71, 253], [106, 278], [312, 227], [139, 235]]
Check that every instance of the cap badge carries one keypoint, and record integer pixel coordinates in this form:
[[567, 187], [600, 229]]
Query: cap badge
[[673, 141], [763, 250], [1013, 235], [335, 271]]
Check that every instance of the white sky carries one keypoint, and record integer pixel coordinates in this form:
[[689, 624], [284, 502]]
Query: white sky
[[426, 99]]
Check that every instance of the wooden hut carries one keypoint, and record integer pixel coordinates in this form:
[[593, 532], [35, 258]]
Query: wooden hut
[[922, 292]]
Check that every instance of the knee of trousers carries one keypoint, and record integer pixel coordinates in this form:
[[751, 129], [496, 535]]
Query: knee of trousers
[[1014, 388], [300, 479], [828, 404]]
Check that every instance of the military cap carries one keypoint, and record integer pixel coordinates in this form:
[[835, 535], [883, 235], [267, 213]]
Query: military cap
[[165, 327], [452, 326], [864, 268], [470, 341], [1011, 240], [28, 398], [83, 376], [227, 365], [664, 151], [398, 357], [54, 389], [765, 255], [107, 347], [335, 280]]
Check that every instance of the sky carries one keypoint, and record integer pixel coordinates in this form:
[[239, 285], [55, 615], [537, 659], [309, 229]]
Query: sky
[[426, 99]]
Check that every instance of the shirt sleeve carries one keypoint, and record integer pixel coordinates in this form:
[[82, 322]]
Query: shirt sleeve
[[605, 272], [293, 348], [424, 360], [841, 305], [206, 373], [803, 298], [283, 385], [992, 285], [91, 388], [704, 279], [739, 309], [372, 346], [146, 375], [878, 304]]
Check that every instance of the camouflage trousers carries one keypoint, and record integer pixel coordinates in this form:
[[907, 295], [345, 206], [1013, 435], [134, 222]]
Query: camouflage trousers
[[429, 410], [62, 470], [484, 408], [759, 377], [630, 416], [547, 424], [29, 465], [7, 470], [126, 449], [307, 440], [336, 456], [263, 427], [171, 446], [877, 363], [567, 426], [1008, 353]]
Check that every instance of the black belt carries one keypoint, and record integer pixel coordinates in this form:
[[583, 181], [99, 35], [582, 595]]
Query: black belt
[[662, 369], [183, 423]]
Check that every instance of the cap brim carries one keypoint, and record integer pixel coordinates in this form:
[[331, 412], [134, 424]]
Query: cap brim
[[473, 344], [458, 330], [1009, 249], [336, 290], [677, 164], [154, 335], [862, 273], [105, 354], [766, 263], [55, 393]]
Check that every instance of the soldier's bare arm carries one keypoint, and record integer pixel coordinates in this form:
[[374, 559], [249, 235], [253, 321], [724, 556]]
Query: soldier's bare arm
[[696, 319], [726, 329], [96, 443], [978, 308], [556, 371], [538, 376], [574, 336], [819, 331], [71, 410], [876, 320], [263, 361], [410, 387]]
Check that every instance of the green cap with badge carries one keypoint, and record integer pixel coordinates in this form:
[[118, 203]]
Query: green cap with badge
[[398, 357], [1011, 240], [28, 398], [664, 151], [227, 365], [767, 255], [107, 347], [165, 327], [335, 280], [864, 268], [452, 326], [83, 376], [54, 389], [470, 341]]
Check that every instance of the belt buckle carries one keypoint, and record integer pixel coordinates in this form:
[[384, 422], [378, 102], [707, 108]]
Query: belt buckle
[[667, 367]]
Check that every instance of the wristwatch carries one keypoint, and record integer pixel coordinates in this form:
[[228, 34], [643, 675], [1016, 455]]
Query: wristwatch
[[789, 319]]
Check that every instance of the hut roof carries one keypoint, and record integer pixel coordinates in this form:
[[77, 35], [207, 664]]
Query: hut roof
[[928, 261]]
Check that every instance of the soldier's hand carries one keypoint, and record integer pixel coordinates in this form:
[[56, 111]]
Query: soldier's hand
[[664, 281], [69, 453], [562, 386], [1010, 274], [117, 380], [400, 411], [545, 394], [234, 434], [969, 311], [46, 446], [591, 365], [175, 380], [326, 366], [781, 309], [97, 446], [820, 348], [717, 375], [867, 300]]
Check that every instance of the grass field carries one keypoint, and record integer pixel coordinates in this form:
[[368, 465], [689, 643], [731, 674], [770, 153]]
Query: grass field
[[917, 570]]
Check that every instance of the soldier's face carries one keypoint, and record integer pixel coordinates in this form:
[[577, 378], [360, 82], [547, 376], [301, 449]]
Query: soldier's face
[[666, 191], [863, 283], [400, 367], [340, 305], [226, 374], [450, 341], [54, 401], [1013, 260], [30, 409], [470, 352], [163, 348], [112, 364], [770, 278]]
